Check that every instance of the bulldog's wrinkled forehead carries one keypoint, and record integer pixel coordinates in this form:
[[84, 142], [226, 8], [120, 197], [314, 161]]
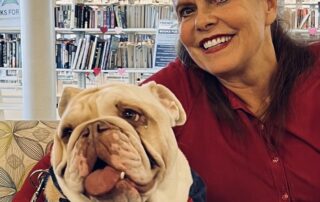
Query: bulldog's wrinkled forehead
[[105, 100], [116, 100], [137, 105], [113, 100]]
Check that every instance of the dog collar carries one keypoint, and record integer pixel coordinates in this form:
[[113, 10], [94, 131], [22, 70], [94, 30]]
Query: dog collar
[[56, 184], [43, 176]]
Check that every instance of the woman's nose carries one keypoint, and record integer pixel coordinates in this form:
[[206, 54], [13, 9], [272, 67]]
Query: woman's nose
[[205, 19]]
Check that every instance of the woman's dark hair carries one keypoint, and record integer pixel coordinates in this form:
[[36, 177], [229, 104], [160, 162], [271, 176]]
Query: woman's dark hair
[[294, 58]]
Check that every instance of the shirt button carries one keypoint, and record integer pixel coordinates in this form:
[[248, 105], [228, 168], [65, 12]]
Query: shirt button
[[285, 196], [275, 159], [262, 126]]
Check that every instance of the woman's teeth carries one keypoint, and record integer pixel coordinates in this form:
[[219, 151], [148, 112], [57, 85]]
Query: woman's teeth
[[216, 41]]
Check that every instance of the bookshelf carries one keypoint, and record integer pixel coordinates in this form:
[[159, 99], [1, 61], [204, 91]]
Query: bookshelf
[[115, 37], [137, 31], [133, 33], [10, 58], [303, 19]]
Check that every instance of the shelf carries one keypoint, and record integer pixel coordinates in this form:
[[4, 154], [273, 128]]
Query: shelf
[[304, 4], [110, 31], [10, 30], [62, 3], [11, 68], [126, 70], [112, 3], [10, 78], [302, 31], [64, 70], [10, 106], [10, 86]]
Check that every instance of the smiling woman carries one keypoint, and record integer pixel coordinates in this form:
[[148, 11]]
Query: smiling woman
[[215, 31], [244, 84]]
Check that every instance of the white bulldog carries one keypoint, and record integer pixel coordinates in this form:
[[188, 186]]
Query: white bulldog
[[115, 144]]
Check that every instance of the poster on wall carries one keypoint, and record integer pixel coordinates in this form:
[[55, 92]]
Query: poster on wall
[[165, 43], [9, 13]]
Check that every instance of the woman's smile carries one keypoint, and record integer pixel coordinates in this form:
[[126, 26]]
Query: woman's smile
[[215, 43]]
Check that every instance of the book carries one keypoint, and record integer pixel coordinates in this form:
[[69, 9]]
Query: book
[[304, 17], [112, 57], [104, 53], [59, 64], [93, 50], [99, 53], [80, 56], [72, 54], [85, 54], [65, 55], [122, 15], [117, 16], [76, 57], [1, 50], [130, 54]]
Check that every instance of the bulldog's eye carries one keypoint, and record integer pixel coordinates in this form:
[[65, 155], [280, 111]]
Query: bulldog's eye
[[66, 132], [131, 115]]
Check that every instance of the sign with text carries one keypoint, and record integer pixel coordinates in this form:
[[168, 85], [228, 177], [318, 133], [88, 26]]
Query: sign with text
[[165, 43], [9, 9]]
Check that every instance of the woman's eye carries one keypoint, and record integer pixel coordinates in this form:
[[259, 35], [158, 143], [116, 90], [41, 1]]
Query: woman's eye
[[186, 11], [130, 114], [220, 1]]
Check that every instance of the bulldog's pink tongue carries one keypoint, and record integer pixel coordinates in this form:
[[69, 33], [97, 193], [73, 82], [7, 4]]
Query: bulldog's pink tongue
[[101, 181]]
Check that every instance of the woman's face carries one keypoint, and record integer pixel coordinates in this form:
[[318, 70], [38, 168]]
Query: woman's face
[[226, 36]]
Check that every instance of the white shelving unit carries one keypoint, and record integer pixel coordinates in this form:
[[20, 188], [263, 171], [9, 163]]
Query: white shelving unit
[[124, 74], [10, 30], [303, 18], [109, 32]]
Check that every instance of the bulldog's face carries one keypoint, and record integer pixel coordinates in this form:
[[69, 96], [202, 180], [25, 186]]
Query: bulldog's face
[[115, 143]]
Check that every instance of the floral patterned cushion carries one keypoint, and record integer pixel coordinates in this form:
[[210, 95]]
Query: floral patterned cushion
[[22, 145]]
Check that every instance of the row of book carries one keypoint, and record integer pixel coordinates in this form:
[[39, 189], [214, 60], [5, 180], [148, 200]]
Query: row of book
[[111, 16], [302, 18], [112, 52], [10, 50], [301, 1], [99, 2]]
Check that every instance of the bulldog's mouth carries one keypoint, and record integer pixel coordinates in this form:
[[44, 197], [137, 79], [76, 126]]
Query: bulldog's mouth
[[103, 179], [111, 162]]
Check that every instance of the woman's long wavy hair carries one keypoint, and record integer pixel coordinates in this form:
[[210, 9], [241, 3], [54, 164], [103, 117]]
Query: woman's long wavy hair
[[293, 57]]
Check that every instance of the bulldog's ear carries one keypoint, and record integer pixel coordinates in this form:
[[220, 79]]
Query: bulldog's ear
[[169, 101], [67, 94]]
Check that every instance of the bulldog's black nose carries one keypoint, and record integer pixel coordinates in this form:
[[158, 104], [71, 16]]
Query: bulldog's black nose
[[101, 127], [95, 128], [85, 132]]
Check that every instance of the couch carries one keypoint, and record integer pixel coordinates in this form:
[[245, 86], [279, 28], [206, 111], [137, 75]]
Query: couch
[[22, 145]]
